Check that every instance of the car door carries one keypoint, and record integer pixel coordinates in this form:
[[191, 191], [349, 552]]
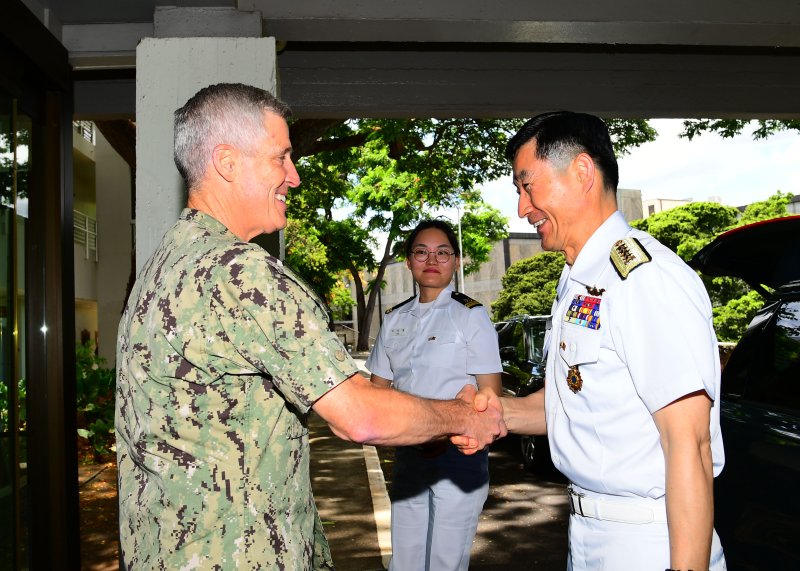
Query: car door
[[755, 500], [513, 357]]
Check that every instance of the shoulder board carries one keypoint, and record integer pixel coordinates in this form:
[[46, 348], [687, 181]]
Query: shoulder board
[[402, 303], [465, 299], [627, 255]]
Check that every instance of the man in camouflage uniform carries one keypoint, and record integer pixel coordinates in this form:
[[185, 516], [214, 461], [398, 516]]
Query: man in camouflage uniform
[[222, 352]]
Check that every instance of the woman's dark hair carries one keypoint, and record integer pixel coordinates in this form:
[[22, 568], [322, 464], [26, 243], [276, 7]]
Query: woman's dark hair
[[435, 223]]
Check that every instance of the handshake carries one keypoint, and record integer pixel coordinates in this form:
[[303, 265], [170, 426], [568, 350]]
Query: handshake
[[484, 418]]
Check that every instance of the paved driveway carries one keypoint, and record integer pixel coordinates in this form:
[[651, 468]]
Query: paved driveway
[[523, 525]]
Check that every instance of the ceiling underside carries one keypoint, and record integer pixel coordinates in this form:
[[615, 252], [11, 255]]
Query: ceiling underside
[[506, 58]]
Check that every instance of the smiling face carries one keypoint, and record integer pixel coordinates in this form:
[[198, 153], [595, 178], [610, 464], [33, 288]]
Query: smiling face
[[432, 276], [551, 200], [267, 174]]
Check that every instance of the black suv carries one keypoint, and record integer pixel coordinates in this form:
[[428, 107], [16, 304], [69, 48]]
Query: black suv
[[521, 340], [757, 504]]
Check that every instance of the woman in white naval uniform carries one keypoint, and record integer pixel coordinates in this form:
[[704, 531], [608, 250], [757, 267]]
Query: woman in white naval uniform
[[431, 345]]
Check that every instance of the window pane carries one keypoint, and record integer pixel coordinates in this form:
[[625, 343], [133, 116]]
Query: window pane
[[780, 383], [15, 132]]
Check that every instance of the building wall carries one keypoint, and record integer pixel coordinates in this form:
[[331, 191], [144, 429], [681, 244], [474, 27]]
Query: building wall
[[115, 243], [656, 205], [629, 202], [794, 206]]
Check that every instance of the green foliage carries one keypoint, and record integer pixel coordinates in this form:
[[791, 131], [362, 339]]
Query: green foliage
[[529, 286], [95, 386], [11, 173], [772, 207], [727, 128], [5, 405], [321, 249], [389, 174], [339, 299], [627, 134], [686, 229], [482, 226], [732, 318]]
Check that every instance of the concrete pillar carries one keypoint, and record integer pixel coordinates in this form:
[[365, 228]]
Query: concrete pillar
[[168, 72], [629, 202]]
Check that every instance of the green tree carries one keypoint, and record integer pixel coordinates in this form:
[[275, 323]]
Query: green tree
[[732, 318], [388, 174], [529, 286], [686, 229], [772, 207], [727, 128], [14, 165], [689, 227]]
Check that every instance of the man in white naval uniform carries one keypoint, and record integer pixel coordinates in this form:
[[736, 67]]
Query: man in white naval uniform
[[632, 379]]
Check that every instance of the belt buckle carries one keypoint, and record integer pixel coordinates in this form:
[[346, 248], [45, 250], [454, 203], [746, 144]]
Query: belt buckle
[[572, 494]]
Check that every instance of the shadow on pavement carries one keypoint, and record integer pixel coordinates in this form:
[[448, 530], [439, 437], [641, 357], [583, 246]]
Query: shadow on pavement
[[524, 520]]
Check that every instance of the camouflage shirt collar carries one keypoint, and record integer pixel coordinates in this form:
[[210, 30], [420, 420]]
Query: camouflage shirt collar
[[206, 221]]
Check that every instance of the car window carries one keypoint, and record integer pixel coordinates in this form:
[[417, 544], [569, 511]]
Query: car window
[[535, 336], [774, 378], [504, 334], [519, 341]]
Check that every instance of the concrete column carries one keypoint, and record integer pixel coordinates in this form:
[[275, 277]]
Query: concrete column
[[168, 72]]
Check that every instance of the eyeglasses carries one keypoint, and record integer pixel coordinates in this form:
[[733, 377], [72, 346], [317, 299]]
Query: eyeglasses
[[422, 255]]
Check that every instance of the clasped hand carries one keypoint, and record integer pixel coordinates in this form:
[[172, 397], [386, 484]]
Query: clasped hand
[[486, 421]]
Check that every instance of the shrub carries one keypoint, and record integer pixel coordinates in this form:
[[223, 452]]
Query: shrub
[[95, 399]]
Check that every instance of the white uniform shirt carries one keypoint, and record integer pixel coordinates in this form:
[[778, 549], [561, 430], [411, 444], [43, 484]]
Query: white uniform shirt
[[655, 343], [434, 354]]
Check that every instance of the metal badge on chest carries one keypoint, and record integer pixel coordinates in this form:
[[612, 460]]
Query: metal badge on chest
[[584, 310]]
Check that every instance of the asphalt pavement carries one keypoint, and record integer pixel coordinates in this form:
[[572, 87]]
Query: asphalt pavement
[[523, 524]]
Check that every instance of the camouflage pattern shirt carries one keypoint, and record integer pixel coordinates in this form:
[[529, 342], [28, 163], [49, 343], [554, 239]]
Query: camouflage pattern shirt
[[221, 354]]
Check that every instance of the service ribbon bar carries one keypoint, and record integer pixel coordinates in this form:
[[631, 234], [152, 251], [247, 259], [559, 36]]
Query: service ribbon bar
[[584, 310]]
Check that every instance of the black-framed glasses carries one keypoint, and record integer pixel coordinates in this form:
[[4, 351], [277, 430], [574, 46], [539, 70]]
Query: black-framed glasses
[[422, 254]]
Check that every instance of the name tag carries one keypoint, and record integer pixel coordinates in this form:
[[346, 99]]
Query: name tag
[[397, 332]]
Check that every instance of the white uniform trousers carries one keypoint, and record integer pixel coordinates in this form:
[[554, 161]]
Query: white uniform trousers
[[605, 545], [435, 507]]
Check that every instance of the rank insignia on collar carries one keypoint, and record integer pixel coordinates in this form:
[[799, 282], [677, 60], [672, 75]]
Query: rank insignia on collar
[[574, 380], [592, 290]]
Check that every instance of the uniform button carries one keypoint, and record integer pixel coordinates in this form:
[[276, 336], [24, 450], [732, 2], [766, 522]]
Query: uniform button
[[563, 346], [573, 347], [339, 355]]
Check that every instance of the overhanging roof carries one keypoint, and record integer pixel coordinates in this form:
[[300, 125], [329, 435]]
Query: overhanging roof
[[507, 58]]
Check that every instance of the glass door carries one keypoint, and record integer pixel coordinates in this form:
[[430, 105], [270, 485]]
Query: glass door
[[15, 133]]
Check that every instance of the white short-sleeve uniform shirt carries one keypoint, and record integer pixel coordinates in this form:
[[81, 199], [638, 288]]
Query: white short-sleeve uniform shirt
[[637, 344], [434, 353]]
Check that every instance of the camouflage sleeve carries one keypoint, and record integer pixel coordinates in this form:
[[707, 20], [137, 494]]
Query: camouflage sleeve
[[277, 328]]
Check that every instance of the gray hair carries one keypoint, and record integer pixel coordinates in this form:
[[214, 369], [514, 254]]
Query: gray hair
[[225, 113]]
